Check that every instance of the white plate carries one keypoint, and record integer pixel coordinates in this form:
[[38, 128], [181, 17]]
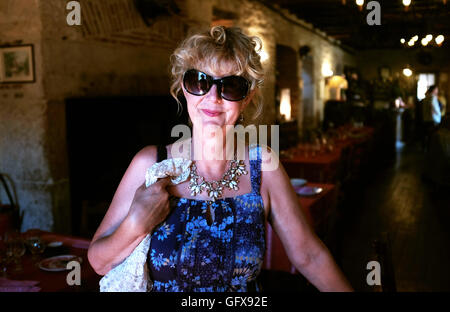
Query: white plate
[[298, 182], [58, 263], [54, 244], [308, 190]]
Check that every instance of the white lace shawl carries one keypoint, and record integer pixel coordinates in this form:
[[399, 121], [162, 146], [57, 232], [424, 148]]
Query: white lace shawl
[[131, 275]]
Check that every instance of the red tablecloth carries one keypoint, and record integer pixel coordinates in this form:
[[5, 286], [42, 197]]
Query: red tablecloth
[[317, 209], [319, 168], [56, 281], [323, 166]]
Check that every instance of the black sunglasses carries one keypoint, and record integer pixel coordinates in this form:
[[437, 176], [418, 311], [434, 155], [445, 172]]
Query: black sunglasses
[[231, 88]]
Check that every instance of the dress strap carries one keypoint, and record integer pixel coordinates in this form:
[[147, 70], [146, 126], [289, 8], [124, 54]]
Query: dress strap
[[255, 167], [161, 153]]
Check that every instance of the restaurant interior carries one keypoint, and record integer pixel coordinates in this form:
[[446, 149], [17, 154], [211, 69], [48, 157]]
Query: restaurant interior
[[84, 85]]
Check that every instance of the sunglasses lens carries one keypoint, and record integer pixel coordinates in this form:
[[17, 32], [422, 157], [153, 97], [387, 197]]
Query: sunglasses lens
[[234, 88], [196, 82]]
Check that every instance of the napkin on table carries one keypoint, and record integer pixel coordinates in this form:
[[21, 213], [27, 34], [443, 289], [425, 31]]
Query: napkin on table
[[7, 285]]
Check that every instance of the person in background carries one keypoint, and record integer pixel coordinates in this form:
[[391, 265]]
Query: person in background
[[431, 113], [443, 104]]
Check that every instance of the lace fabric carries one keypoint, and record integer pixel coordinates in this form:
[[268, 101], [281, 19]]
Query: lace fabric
[[131, 275]]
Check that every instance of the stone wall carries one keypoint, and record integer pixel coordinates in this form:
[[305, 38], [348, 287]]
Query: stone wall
[[23, 118], [71, 61]]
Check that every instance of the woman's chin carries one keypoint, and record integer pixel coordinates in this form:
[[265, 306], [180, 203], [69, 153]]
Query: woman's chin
[[211, 123]]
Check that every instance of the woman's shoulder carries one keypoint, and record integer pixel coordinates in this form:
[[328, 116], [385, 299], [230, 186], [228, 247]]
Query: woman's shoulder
[[147, 156], [269, 157]]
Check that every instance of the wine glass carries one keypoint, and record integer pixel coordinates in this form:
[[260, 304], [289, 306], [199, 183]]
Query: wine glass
[[317, 146], [15, 249], [36, 247], [3, 262]]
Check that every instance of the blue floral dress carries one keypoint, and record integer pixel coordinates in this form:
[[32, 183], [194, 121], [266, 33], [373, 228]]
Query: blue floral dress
[[187, 254]]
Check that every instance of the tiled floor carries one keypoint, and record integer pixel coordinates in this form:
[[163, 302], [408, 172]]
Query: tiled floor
[[414, 215]]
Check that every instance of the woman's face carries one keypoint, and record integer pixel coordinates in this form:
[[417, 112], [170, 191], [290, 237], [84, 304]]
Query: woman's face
[[211, 108]]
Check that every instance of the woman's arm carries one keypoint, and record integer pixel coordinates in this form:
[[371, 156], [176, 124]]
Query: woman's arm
[[134, 212], [304, 249]]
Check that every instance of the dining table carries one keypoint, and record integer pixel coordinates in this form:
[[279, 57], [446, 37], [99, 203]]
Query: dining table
[[327, 163], [317, 209], [318, 166], [35, 277]]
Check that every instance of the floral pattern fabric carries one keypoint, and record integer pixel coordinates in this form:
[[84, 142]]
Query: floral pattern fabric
[[188, 254]]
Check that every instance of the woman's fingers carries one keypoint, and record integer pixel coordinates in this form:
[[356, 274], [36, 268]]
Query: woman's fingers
[[159, 184]]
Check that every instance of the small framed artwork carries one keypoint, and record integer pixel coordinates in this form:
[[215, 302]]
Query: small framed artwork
[[385, 73], [17, 64]]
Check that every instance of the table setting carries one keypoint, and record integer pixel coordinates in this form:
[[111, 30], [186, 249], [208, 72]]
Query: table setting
[[39, 261]]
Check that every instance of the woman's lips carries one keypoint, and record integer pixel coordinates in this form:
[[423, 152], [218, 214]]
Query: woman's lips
[[211, 113]]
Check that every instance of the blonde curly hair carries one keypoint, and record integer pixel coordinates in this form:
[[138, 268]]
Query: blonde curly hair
[[214, 48]]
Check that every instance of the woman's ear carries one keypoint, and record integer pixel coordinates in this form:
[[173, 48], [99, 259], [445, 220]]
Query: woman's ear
[[248, 99]]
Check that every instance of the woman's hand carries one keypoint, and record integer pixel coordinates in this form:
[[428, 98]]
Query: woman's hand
[[150, 206]]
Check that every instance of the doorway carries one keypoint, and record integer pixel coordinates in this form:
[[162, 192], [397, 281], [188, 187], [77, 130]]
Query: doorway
[[308, 92]]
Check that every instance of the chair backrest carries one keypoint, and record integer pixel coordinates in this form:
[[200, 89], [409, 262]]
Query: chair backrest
[[10, 216]]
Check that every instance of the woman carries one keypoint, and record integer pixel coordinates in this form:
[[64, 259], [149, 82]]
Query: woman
[[210, 236]]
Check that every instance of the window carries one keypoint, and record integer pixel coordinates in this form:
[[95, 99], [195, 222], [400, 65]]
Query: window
[[425, 80]]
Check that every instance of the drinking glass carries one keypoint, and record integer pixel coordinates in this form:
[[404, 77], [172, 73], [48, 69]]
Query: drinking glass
[[36, 246], [317, 146], [15, 249], [3, 263]]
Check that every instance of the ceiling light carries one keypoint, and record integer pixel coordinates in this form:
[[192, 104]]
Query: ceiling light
[[415, 38], [406, 2], [424, 41], [439, 39], [429, 37], [360, 2], [410, 43], [407, 72], [402, 40]]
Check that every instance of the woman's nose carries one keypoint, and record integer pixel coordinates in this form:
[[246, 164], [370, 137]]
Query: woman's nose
[[214, 94]]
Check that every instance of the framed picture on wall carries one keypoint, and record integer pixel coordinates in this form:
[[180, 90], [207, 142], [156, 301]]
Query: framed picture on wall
[[17, 64]]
